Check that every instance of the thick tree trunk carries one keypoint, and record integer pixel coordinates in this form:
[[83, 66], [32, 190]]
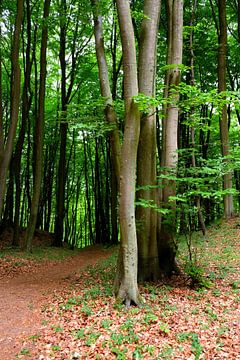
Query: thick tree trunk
[[39, 134], [222, 57], [166, 242], [126, 280], [15, 99], [146, 218]]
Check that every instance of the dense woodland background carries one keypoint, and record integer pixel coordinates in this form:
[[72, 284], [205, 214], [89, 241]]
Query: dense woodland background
[[57, 163]]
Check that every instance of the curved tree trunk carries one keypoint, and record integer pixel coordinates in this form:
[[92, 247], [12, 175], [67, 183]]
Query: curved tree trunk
[[126, 279], [146, 218]]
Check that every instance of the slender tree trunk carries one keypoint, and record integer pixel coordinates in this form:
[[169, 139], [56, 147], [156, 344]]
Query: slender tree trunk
[[238, 12], [192, 129], [126, 279], [61, 179], [1, 106], [15, 100], [110, 113], [148, 264], [39, 133], [105, 87], [166, 242], [224, 132], [26, 101]]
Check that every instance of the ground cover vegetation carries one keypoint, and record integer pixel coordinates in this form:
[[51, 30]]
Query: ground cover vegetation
[[119, 124], [180, 319]]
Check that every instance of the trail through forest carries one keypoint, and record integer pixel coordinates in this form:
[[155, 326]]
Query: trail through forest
[[26, 286]]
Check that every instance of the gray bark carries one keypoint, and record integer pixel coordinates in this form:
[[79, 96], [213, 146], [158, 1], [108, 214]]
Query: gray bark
[[126, 280], [148, 267]]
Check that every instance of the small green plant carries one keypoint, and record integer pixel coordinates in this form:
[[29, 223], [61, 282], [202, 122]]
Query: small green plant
[[75, 300], [196, 274], [195, 343], [166, 353], [164, 328], [91, 339], [235, 285], [210, 313], [118, 339], [127, 325], [86, 310], [223, 330], [79, 334], [120, 354], [57, 328], [25, 351], [34, 337], [106, 323], [56, 348], [149, 318], [216, 292], [137, 353], [150, 349]]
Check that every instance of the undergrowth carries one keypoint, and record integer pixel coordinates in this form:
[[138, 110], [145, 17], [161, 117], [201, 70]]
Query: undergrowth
[[176, 322]]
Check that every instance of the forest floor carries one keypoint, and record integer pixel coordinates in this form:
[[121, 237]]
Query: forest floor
[[27, 283], [61, 309]]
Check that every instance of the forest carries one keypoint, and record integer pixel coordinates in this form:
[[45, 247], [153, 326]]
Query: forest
[[119, 131]]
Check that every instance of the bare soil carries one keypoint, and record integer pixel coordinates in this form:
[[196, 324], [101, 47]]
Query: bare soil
[[25, 287]]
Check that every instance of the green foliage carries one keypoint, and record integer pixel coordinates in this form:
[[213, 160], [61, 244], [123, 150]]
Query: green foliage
[[197, 275], [195, 343]]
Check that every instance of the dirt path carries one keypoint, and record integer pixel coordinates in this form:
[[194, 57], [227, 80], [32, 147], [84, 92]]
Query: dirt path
[[22, 296]]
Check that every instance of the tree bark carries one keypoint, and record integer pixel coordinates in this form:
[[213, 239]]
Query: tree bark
[[224, 132], [61, 179], [192, 129], [26, 101], [1, 106], [126, 279], [146, 218], [106, 93], [15, 100], [166, 241], [39, 133]]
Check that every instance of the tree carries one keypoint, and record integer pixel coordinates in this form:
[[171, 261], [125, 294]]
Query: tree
[[106, 93], [6, 152], [166, 238], [126, 280], [39, 133], [224, 132], [146, 217]]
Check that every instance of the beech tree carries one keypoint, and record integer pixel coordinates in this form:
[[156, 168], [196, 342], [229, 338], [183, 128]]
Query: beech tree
[[39, 133], [224, 132], [166, 239], [126, 280], [6, 151], [146, 217]]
